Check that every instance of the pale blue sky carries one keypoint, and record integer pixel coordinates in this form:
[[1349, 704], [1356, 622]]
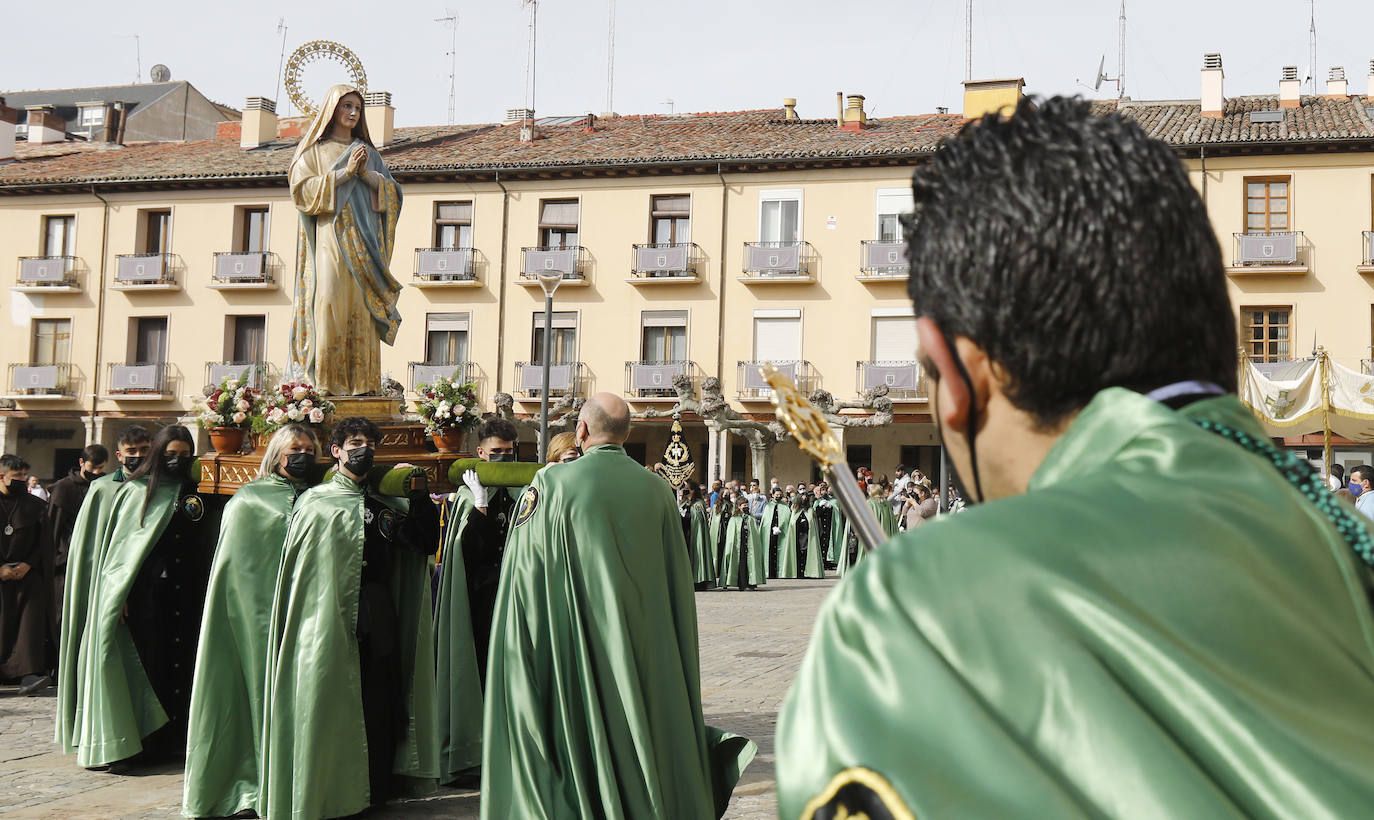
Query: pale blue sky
[[706, 55]]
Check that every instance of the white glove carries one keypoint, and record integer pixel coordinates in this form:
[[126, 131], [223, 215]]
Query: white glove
[[479, 493], [777, 531]]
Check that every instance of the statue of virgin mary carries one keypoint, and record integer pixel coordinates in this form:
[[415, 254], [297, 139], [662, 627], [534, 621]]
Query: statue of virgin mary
[[345, 298]]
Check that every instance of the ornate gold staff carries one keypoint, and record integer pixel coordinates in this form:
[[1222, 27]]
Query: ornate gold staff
[[814, 437]]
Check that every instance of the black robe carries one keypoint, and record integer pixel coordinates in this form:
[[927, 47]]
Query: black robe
[[484, 547], [24, 602], [64, 502], [825, 518]]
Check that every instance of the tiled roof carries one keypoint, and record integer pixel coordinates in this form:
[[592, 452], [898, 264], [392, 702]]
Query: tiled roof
[[658, 140]]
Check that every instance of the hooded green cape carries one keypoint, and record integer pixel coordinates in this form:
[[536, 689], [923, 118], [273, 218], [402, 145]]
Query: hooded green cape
[[225, 721], [815, 562], [718, 521], [455, 655], [593, 689], [886, 521], [314, 751], [1161, 626], [729, 565], [765, 525], [83, 561], [117, 706], [703, 549]]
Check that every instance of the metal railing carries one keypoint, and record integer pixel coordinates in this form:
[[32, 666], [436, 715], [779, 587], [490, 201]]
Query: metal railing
[[654, 380], [903, 380], [47, 271], [232, 268], [570, 261], [41, 380], [770, 260], [563, 378], [666, 260], [1271, 248], [135, 269], [444, 265], [1368, 248], [882, 259], [137, 378], [254, 373], [427, 372], [752, 385]]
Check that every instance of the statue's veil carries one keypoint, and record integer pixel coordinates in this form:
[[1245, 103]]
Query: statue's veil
[[324, 118]]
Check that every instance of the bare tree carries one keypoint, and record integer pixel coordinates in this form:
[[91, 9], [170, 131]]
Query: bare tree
[[563, 414]]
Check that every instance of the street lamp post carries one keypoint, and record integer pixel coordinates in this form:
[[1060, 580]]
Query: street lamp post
[[549, 281]]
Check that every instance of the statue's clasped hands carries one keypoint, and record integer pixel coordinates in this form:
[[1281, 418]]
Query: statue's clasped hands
[[357, 161]]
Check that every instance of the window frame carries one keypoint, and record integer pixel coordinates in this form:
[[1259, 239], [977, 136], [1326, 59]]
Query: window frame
[[231, 336], [1248, 341], [1266, 180], [245, 215], [54, 343], [783, 195], [145, 225], [878, 213], [668, 321], [656, 216], [547, 230], [467, 337], [537, 349], [68, 237], [439, 224], [131, 348]]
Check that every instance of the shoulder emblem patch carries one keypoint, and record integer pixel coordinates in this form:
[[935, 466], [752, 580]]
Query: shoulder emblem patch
[[529, 502], [386, 524], [854, 793], [193, 507]]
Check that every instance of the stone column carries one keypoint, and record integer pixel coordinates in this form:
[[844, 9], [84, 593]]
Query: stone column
[[712, 467], [95, 429], [723, 452], [9, 434]]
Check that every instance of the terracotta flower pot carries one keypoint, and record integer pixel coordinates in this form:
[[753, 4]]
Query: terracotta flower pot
[[449, 441], [226, 440]]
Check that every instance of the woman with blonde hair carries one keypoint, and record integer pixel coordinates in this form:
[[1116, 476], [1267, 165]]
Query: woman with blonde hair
[[563, 448], [225, 723]]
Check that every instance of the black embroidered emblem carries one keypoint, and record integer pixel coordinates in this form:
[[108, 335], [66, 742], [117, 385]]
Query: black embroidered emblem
[[528, 503], [854, 793], [193, 507], [386, 524]]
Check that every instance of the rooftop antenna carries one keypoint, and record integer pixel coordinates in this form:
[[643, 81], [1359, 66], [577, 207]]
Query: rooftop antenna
[[968, 42], [281, 63], [668, 102], [1312, 45], [610, 61], [530, 57], [452, 22], [1120, 79], [138, 58]]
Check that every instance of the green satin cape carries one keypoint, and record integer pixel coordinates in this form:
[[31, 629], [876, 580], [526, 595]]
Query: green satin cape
[[224, 735], [593, 690], [118, 707], [815, 565], [765, 532], [1160, 627], [83, 559], [314, 751], [459, 688], [703, 548], [729, 565], [838, 527]]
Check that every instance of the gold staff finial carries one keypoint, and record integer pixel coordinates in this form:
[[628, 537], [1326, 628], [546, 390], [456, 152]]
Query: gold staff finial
[[802, 419]]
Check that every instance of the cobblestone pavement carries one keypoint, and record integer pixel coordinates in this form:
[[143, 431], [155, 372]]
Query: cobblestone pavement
[[751, 646]]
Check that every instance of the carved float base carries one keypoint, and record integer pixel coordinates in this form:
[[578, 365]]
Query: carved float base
[[402, 442]]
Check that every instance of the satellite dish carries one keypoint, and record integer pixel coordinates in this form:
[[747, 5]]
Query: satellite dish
[[1099, 77], [160, 73]]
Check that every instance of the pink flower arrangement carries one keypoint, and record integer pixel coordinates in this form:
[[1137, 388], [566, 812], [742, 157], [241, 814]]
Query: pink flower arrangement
[[293, 403], [448, 405], [232, 403]]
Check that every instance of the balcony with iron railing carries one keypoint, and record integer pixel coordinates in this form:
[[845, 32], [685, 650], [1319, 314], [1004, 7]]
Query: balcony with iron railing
[[41, 382], [904, 380], [445, 268], [1367, 253], [253, 373], [428, 372], [564, 379], [571, 262], [146, 271], [653, 381], [1270, 252], [666, 263], [245, 271], [779, 263], [752, 387], [48, 274], [882, 261], [138, 381]]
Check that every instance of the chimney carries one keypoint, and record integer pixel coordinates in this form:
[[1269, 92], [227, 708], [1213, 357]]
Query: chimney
[[1213, 78], [380, 117], [9, 117], [789, 108], [1336, 86], [992, 97], [855, 119], [259, 122], [45, 126], [1290, 88], [1369, 89]]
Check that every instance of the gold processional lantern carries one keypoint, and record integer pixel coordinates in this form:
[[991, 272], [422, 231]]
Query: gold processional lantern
[[320, 50], [677, 459]]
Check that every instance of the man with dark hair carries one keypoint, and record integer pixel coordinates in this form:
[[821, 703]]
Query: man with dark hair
[[1337, 478], [1362, 479], [83, 557], [23, 589], [1154, 612], [64, 503], [349, 706], [593, 699]]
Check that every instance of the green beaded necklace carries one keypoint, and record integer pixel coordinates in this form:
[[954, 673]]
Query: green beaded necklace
[[1301, 475]]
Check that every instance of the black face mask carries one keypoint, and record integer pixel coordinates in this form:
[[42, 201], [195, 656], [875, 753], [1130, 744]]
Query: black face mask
[[298, 464], [359, 460], [175, 466], [499, 458], [89, 476], [131, 464]]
